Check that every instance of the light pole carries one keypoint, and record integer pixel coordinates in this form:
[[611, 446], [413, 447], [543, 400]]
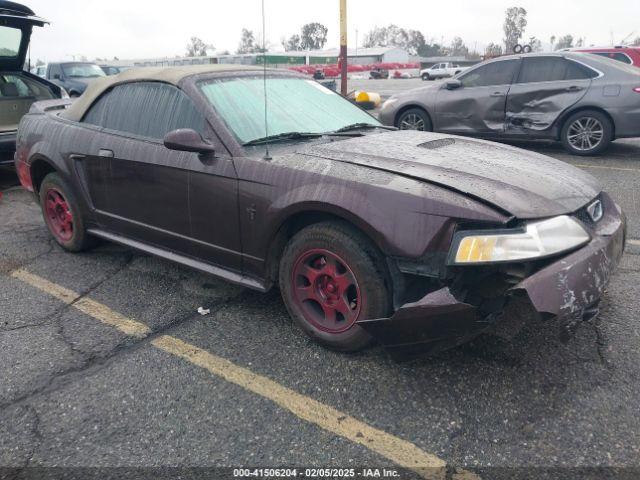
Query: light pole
[[343, 47]]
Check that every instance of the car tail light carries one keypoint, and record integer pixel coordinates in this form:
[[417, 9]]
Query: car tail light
[[637, 89]]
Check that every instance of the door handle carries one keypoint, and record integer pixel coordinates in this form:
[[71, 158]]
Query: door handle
[[105, 153], [498, 94], [573, 88], [76, 157]]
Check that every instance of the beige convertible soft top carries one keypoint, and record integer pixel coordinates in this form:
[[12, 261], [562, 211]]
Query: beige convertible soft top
[[173, 75]]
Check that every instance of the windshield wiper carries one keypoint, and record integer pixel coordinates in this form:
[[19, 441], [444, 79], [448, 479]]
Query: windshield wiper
[[282, 136], [358, 126]]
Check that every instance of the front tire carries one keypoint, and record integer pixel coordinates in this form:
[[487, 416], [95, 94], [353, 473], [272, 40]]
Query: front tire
[[425, 77], [414, 119], [588, 132], [62, 214], [330, 278]]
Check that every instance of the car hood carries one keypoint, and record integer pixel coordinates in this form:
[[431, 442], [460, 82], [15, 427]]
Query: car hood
[[17, 16], [524, 184]]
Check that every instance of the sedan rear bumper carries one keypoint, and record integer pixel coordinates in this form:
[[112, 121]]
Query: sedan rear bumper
[[568, 289]]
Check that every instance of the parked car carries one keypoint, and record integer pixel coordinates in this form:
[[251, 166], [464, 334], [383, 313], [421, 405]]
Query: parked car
[[628, 55], [583, 100], [73, 76], [441, 70], [379, 74], [18, 88], [112, 70], [417, 239]]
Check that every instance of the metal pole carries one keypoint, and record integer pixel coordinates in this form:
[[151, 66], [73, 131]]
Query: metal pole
[[343, 47]]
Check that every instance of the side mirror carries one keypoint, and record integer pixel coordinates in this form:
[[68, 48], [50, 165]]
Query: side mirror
[[453, 84], [56, 76], [187, 140]]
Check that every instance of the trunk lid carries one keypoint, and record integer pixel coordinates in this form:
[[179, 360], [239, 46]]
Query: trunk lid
[[16, 24], [524, 184]]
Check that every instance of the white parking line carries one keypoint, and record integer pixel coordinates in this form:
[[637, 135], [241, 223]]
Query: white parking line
[[633, 242]]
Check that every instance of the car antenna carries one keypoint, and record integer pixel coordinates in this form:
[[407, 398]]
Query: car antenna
[[267, 156]]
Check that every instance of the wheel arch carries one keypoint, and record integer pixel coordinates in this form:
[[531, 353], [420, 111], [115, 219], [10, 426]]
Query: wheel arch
[[39, 168], [565, 116], [409, 107], [301, 216]]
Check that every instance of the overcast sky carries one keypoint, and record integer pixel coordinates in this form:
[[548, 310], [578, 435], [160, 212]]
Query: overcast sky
[[155, 28]]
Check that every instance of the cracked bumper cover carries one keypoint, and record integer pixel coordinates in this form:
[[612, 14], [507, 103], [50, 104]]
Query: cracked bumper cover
[[568, 289]]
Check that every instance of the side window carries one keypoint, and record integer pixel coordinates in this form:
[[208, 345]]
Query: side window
[[55, 70], [145, 109], [494, 73], [552, 69], [621, 57]]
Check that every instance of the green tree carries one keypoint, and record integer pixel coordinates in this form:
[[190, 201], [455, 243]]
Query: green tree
[[293, 44], [197, 48], [458, 48], [248, 43], [313, 36], [565, 41], [514, 24]]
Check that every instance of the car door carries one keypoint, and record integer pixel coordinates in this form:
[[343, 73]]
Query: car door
[[144, 191], [546, 87], [478, 104]]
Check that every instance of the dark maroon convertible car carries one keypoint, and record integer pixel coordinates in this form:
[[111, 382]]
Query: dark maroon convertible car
[[416, 239]]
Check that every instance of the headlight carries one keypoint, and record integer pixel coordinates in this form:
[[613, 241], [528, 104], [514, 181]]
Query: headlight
[[535, 240]]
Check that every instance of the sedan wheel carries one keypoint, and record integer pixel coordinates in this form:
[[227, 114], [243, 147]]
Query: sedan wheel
[[587, 133], [414, 119]]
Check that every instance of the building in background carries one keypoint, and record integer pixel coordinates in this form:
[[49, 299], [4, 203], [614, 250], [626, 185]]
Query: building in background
[[360, 56]]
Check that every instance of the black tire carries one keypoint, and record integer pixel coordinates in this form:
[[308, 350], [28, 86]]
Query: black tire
[[590, 118], [362, 262], [425, 77], [517, 48], [74, 238], [526, 49], [414, 116]]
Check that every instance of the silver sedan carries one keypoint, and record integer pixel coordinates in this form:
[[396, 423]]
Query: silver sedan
[[580, 99]]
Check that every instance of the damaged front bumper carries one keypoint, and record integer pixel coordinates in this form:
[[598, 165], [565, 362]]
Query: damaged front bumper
[[568, 289]]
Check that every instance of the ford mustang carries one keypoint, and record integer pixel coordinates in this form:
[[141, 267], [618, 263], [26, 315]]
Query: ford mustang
[[419, 240]]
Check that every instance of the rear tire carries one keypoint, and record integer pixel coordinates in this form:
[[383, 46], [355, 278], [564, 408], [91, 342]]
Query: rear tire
[[331, 277], [588, 132], [62, 214], [414, 119]]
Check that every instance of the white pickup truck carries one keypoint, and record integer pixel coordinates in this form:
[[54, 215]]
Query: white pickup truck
[[441, 70]]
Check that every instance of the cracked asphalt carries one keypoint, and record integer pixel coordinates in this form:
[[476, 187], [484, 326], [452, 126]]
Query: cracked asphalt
[[77, 393]]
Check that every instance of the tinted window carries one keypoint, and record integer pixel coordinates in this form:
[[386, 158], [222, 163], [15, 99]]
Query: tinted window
[[146, 109], [552, 69], [621, 57], [495, 73]]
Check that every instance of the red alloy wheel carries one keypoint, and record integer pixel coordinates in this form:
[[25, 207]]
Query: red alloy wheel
[[58, 215], [326, 290]]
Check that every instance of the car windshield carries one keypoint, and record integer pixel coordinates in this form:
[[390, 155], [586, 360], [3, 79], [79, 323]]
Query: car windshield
[[82, 70], [294, 105], [10, 42]]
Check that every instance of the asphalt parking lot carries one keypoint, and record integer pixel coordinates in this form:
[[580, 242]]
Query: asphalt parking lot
[[106, 363]]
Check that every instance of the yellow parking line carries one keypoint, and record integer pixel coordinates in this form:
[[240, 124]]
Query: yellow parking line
[[85, 305], [622, 169], [399, 451], [403, 453]]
